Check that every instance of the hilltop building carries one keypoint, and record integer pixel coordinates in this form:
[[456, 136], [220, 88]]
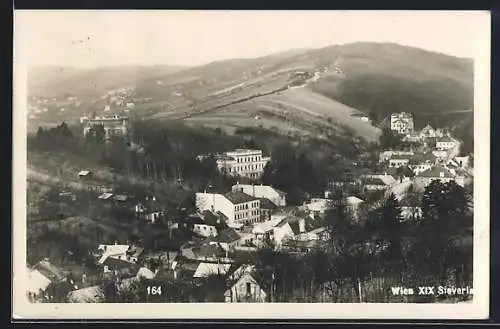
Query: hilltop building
[[113, 125], [402, 123], [243, 162]]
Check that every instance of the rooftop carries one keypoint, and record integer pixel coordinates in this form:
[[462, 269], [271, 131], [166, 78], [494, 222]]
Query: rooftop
[[267, 204], [228, 235], [237, 197], [444, 139], [437, 172]]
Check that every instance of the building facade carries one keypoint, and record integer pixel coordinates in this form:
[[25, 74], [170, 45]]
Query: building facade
[[402, 123], [239, 208], [113, 126], [243, 162]]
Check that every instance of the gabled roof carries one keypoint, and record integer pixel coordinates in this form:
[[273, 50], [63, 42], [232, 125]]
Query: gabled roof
[[259, 189], [295, 226], [208, 250], [354, 200], [49, 270], [227, 235], [267, 204], [436, 172], [209, 218], [237, 197], [37, 281], [206, 269]]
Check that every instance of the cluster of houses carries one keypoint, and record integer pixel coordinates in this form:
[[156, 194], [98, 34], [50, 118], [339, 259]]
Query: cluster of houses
[[250, 216]]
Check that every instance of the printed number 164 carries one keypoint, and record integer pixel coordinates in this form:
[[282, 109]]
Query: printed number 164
[[154, 290]]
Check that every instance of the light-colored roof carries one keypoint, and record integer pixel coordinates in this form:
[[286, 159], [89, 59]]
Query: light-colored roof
[[206, 269], [84, 173], [237, 197], [318, 205], [145, 273], [92, 294], [112, 250], [260, 190], [354, 200], [436, 172], [105, 196], [37, 281], [267, 225]]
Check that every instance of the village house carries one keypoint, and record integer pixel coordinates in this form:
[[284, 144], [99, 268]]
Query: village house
[[207, 251], [440, 173], [126, 253], [267, 208], [409, 213], [420, 162], [263, 191], [316, 206], [427, 132], [201, 227], [85, 174], [244, 287], [227, 239], [288, 229], [240, 208], [402, 123], [120, 268], [413, 137], [206, 269], [150, 210], [397, 161], [460, 162], [375, 182], [445, 143]]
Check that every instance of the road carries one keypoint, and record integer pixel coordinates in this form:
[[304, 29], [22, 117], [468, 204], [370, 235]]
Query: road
[[45, 178]]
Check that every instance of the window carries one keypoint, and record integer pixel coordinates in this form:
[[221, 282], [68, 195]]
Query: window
[[249, 290]]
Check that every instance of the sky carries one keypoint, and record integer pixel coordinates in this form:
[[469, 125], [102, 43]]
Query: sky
[[189, 38]]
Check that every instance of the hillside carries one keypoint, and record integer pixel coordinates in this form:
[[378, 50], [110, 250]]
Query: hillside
[[353, 79], [72, 81]]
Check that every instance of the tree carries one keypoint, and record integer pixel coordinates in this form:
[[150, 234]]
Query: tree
[[446, 214]]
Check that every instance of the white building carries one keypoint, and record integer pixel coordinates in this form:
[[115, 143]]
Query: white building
[[397, 161], [243, 162], [113, 125], [440, 173], [239, 208], [263, 191], [316, 206], [445, 143], [402, 123]]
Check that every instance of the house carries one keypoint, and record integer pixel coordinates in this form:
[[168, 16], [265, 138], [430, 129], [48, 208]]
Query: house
[[150, 210], [397, 160], [412, 137], [118, 267], [428, 132], [263, 191], [208, 251], [145, 273], [411, 213], [440, 173], [245, 288], [200, 227], [462, 162], [126, 253], [445, 143], [120, 197], [288, 228], [420, 162], [227, 239], [265, 230], [37, 284], [93, 294], [105, 196], [402, 123], [206, 269], [316, 206], [239, 208], [267, 208], [376, 182]]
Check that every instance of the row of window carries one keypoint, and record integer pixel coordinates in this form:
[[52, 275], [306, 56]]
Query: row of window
[[248, 159], [246, 214], [244, 206], [247, 167]]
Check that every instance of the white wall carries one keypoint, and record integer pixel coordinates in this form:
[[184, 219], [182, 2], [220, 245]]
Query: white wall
[[205, 201]]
